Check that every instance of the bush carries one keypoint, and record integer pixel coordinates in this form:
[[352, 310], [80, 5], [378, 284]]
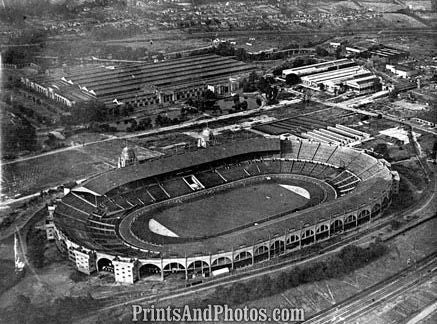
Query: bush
[[36, 247]]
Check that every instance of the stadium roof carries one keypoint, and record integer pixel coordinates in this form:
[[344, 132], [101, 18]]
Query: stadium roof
[[101, 184]]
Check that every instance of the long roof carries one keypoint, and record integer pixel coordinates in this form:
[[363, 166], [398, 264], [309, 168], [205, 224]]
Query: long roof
[[134, 77], [318, 67]]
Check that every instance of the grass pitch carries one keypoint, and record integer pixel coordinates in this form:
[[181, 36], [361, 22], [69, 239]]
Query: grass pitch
[[234, 207]]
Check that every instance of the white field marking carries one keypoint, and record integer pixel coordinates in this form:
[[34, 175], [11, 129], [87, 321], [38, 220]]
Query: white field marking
[[160, 229], [297, 190]]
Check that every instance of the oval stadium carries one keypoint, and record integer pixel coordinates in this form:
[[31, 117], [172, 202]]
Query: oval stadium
[[225, 206]]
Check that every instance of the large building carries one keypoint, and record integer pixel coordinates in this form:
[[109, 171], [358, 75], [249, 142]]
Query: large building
[[318, 68], [143, 84], [111, 223], [331, 76]]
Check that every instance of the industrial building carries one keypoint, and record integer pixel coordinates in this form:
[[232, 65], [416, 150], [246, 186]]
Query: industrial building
[[143, 84], [401, 71], [318, 68], [388, 55], [355, 78]]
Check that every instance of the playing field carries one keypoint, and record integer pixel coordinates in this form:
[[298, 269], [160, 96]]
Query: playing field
[[235, 207]]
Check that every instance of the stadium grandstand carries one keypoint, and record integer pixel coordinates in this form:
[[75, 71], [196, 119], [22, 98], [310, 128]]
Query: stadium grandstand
[[273, 197], [143, 84]]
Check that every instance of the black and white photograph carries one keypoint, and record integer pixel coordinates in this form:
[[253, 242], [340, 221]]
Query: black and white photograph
[[218, 161]]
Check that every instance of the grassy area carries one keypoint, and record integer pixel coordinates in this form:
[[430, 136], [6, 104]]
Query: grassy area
[[427, 142], [413, 172], [8, 277], [36, 174], [229, 209]]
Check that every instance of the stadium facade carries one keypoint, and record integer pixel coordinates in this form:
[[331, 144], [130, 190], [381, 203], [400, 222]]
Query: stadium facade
[[94, 223]]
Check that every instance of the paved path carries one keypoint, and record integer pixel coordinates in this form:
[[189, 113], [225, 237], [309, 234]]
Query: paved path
[[158, 130]]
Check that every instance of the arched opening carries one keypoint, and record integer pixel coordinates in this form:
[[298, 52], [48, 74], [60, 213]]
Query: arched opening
[[174, 267], [221, 262], [376, 210], [336, 227], [198, 268], [322, 232], [261, 253], [292, 242], [350, 222], [277, 248], [175, 270], [307, 237], [363, 217], [105, 264], [149, 270], [243, 259]]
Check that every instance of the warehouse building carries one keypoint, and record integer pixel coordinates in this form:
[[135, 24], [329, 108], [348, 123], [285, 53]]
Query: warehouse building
[[143, 84], [318, 68], [401, 71], [356, 78], [388, 55]]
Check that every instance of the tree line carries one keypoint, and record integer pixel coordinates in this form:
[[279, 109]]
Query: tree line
[[347, 260]]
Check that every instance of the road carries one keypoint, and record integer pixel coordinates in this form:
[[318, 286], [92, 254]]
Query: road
[[381, 293], [158, 130]]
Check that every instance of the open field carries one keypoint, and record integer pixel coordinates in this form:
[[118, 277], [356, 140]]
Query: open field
[[109, 151], [226, 210], [34, 175]]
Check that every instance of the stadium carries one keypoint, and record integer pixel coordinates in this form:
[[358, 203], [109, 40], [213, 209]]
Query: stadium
[[225, 206]]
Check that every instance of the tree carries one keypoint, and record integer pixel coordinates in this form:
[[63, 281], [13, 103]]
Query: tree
[[263, 85], [339, 52], [241, 54], [320, 51], [253, 77], [292, 79], [208, 95], [145, 123], [36, 248], [382, 149]]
